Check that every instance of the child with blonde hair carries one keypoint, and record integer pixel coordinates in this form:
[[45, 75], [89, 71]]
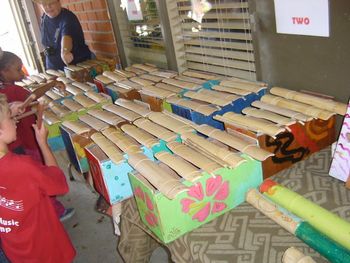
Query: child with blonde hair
[[30, 231]]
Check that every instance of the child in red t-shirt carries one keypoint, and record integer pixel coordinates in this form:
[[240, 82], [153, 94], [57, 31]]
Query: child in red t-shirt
[[10, 72], [30, 231]]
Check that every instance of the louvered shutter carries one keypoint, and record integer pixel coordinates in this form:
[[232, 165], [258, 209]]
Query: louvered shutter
[[224, 43]]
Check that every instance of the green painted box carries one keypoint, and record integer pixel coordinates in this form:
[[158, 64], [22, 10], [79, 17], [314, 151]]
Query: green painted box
[[207, 198]]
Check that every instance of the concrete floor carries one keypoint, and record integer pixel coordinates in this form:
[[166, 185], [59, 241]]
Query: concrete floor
[[92, 233]]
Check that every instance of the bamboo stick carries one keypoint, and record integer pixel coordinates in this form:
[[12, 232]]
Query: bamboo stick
[[268, 115], [124, 142], [109, 148], [185, 169], [145, 67], [330, 105], [194, 157], [140, 135], [191, 79], [135, 107], [298, 106], [230, 158], [164, 74], [106, 116], [201, 107], [77, 127], [114, 76], [97, 97], [282, 111], [206, 98], [152, 78], [105, 80], [164, 182], [170, 123], [158, 92], [72, 105], [142, 82], [122, 112], [155, 129], [248, 148], [84, 100], [94, 122], [50, 118], [84, 87], [182, 84], [251, 123], [168, 87], [252, 87]]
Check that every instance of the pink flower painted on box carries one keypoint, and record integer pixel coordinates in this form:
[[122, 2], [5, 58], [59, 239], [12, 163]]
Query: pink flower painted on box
[[146, 206], [216, 189]]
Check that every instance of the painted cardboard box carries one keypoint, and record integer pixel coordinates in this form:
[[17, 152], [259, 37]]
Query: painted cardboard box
[[75, 144], [53, 122], [110, 179], [209, 197], [293, 145], [203, 113], [340, 166]]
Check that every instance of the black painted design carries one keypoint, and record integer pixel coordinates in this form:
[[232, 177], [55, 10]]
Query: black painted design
[[282, 153]]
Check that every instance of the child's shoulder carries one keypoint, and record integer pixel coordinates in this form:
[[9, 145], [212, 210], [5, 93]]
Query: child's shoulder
[[21, 160]]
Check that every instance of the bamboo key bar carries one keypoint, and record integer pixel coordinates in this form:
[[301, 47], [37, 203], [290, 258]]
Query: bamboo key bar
[[109, 148], [330, 105], [196, 158], [231, 159], [185, 169], [123, 141], [298, 106], [122, 112], [282, 111], [164, 182], [170, 123], [249, 148], [140, 135], [155, 129]]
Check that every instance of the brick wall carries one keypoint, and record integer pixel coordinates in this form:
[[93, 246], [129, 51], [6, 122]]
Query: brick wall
[[96, 23]]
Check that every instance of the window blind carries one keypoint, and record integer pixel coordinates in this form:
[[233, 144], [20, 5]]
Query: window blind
[[223, 44], [142, 39]]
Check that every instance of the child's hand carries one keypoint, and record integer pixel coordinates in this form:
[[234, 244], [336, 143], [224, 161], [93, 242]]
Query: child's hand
[[67, 57], [16, 108], [41, 134]]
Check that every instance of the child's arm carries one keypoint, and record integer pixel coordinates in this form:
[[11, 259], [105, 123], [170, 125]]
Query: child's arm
[[41, 137]]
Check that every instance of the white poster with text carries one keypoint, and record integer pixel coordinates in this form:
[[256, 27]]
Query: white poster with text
[[300, 17]]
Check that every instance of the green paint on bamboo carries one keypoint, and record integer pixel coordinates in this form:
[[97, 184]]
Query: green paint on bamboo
[[326, 247], [314, 214]]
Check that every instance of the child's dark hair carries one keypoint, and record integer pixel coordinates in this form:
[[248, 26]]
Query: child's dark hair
[[6, 59]]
